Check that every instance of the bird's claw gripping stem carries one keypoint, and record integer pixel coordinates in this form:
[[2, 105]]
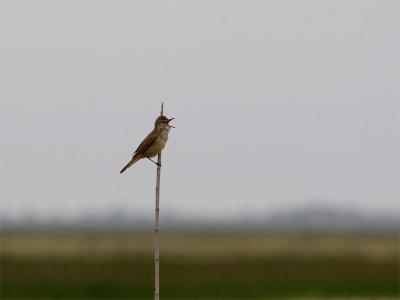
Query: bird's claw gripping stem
[[157, 164]]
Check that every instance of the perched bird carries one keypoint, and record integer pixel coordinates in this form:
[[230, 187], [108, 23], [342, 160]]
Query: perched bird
[[154, 142]]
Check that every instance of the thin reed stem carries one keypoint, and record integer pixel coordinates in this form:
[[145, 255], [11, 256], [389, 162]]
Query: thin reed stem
[[156, 227]]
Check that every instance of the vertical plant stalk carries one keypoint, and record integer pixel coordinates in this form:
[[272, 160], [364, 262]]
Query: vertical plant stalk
[[156, 227]]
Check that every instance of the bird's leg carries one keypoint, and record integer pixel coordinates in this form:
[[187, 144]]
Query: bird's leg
[[154, 161]]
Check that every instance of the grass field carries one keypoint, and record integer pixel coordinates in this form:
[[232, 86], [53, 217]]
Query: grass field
[[199, 265]]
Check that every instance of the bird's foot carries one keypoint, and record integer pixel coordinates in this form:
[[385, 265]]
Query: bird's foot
[[157, 164]]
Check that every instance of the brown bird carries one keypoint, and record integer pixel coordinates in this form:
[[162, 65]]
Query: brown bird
[[154, 142]]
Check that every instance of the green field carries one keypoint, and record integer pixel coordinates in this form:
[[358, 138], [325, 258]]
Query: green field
[[199, 265]]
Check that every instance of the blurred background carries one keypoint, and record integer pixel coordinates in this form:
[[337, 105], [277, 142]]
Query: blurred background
[[280, 180]]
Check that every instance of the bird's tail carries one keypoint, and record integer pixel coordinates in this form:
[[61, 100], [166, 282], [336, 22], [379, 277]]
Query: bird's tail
[[132, 161]]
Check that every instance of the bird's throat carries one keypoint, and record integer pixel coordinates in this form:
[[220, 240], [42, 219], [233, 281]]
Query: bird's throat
[[164, 133]]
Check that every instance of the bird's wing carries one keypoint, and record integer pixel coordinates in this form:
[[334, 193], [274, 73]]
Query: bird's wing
[[147, 142]]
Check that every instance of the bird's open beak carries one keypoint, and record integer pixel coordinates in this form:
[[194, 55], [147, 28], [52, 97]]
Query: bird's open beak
[[169, 120]]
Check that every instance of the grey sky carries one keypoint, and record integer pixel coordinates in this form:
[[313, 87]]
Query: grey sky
[[278, 104]]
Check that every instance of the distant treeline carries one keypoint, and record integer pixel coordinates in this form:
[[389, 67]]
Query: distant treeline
[[315, 219]]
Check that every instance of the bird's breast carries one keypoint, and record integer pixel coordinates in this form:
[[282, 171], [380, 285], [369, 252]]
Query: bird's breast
[[156, 148]]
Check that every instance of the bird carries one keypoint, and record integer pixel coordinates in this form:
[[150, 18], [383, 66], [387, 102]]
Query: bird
[[154, 142]]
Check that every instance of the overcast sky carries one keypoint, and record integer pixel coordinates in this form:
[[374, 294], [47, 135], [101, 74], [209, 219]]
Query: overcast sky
[[278, 105]]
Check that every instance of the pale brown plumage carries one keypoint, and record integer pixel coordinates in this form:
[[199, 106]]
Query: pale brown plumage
[[154, 142]]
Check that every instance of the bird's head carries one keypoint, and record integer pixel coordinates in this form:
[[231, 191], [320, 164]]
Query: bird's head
[[163, 121]]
